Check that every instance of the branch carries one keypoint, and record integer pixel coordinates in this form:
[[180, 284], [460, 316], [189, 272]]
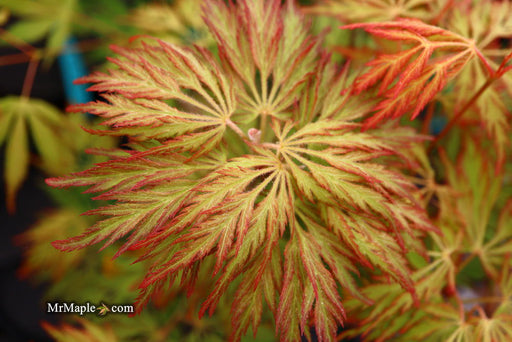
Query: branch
[[464, 109], [29, 77]]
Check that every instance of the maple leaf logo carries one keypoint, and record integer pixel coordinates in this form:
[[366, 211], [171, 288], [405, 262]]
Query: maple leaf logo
[[103, 309]]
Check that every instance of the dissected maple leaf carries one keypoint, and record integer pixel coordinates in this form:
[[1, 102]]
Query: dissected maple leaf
[[379, 10], [286, 211], [174, 23], [410, 79], [451, 321], [478, 193], [485, 22], [394, 312], [471, 228], [496, 250]]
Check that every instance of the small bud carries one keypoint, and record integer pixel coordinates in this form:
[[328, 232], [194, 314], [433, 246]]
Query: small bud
[[254, 135]]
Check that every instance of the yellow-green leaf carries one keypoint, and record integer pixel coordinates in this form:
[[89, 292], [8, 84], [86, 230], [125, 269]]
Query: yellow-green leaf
[[16, 162]]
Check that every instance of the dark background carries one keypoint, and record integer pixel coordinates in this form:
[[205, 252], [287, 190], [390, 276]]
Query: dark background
[[21, 307]]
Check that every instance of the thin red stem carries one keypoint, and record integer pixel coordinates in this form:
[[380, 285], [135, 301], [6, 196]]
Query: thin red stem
[[16, 42], [29, 77], [237, 130], [464, 109], [484, 61], [16, 58]]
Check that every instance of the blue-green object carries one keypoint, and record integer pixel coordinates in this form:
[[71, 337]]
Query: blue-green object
[[72, 66], [437, 124]]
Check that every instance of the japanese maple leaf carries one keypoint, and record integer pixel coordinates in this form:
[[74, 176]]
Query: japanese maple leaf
[[254, 160], [408, 80]]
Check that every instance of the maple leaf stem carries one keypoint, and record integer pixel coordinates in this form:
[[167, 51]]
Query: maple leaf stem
[[29, 77], [16, 58], [484, 61], [33, 58], [237, 130], [19, 44], [503, 69], [464, 109], [241, 134], [271, 145]]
